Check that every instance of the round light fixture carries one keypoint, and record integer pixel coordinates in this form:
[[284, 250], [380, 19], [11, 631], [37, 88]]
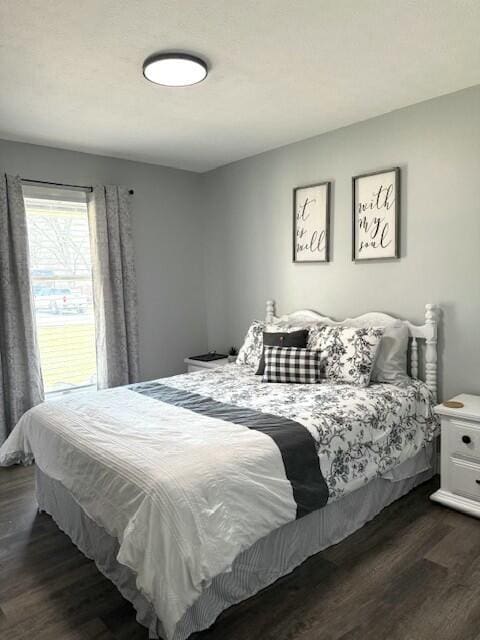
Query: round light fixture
[[174, 69]]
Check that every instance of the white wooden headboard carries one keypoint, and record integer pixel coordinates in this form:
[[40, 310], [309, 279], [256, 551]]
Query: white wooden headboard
[[422, 361]]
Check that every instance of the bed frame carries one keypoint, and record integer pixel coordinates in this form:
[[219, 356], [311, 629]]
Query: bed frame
[[423, 361]]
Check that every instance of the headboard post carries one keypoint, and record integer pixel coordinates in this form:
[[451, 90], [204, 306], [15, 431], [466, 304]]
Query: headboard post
[[270, 311], [431, 319]]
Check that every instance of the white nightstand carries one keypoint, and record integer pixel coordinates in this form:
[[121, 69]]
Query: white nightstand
[[198, 365], [460, 456]]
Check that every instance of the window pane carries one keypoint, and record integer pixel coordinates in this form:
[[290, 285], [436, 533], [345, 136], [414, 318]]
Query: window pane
[[61, 275]]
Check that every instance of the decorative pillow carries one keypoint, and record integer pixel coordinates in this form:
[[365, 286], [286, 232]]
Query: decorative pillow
[[252, 347], [391, 363], [347, 353], [291, 364], [314, 343], [284, 339]]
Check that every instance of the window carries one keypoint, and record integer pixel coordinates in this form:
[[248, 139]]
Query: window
[[61, 276]]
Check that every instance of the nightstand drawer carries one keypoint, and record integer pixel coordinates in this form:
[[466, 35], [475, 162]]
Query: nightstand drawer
[[193, 367], [464, 439], [193, 364], [465, 478]]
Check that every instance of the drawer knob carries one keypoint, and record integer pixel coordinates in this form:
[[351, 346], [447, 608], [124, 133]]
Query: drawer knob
[[466, 439], [477, 481]]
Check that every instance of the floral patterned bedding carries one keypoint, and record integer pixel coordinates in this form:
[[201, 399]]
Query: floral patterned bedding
[[360, 433]]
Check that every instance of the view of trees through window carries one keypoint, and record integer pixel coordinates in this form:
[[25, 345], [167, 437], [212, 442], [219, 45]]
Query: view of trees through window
[[61, 276]]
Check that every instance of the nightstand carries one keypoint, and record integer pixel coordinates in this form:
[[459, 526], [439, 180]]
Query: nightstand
[[460, 456], [198, 365]]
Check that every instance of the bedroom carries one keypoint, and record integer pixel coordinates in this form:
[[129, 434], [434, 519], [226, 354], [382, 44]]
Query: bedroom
[[223, 174]]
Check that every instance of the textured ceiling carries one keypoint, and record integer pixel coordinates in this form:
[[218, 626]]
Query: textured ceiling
[[281, 70]]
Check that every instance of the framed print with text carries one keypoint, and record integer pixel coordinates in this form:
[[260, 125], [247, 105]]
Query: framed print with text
[[311, 223], [376, 215]]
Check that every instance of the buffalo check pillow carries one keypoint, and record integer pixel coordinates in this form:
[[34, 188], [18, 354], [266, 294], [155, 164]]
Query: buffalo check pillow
[[283, 339], [291, 364]]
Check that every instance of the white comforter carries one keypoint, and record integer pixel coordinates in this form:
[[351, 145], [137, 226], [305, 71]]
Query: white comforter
[[186, 493]]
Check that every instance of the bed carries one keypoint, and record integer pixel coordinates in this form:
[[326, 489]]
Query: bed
[[185, 491]]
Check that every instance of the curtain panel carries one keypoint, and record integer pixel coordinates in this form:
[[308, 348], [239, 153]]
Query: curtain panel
[[21, 385], [114, 284]]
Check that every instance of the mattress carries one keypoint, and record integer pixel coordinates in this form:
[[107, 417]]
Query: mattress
[[270, 558], [189, 472]]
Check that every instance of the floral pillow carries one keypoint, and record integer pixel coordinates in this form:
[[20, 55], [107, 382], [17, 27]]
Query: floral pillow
[[347, 353], [252, 347]]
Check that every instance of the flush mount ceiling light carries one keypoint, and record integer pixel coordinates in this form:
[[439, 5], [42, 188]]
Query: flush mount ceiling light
[[174, 69]]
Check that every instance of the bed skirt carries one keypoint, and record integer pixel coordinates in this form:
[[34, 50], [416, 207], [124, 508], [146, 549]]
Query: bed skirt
[[270, 558]]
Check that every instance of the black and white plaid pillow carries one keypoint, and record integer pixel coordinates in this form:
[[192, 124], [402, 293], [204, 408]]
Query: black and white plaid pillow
[[291, 364]]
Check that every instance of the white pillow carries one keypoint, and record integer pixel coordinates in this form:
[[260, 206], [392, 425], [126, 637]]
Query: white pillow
[[391, 363], [283, 327]]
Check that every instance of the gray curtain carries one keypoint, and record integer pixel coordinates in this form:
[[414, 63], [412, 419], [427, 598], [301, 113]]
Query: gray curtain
[[114, 284], [21, 385]]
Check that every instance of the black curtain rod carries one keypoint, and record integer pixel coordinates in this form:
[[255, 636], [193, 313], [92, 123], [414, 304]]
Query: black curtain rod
[[62, 184]]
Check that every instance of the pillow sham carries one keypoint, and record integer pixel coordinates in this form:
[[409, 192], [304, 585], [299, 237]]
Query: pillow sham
[[291, 364], [284, 339], [289, 325], [391, 363], [252, 347], [347, 354]]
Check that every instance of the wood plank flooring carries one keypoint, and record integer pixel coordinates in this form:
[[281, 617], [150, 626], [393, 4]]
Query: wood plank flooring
[[413, 573]]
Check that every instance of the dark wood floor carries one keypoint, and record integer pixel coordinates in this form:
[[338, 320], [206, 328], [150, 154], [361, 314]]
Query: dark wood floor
[[411, 574]]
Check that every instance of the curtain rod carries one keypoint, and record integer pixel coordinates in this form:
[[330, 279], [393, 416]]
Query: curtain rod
[[62, 184]]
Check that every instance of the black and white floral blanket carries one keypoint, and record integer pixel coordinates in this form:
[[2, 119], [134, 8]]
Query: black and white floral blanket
[[360, 433]]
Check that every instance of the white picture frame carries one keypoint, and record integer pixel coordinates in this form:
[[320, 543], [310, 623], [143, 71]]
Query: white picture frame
[[311, 223], [376, 215]]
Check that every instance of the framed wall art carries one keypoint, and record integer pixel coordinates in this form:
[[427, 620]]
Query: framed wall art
[[311, 223], [376, 215]]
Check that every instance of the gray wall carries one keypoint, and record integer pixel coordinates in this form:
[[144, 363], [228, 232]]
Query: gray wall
[[249, 212], [168, 244], [241, 215]]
